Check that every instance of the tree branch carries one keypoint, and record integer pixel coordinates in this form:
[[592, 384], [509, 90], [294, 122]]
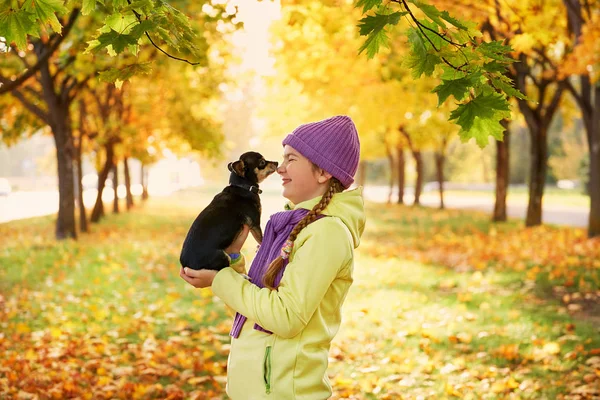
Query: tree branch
[[139, 18], [32, 107], [11, 85], [555, 102]]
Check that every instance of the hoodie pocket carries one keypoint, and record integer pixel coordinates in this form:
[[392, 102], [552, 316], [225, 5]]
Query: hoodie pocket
[[267, 369]]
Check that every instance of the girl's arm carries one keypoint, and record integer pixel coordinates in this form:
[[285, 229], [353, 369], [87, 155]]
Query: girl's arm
[[324, 247]]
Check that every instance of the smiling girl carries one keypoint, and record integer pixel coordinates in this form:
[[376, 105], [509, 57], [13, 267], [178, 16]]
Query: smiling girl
[[290, 309]]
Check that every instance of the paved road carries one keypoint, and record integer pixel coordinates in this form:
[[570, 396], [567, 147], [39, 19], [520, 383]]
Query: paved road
[[19, 205], [553, 214]]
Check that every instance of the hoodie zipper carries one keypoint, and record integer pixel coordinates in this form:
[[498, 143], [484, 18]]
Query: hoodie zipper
[[267, 370]]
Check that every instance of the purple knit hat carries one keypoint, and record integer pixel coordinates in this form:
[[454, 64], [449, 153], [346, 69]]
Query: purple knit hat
[[331, 144]]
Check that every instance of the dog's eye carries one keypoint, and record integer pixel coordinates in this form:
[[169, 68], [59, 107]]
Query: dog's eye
[[262, 163]]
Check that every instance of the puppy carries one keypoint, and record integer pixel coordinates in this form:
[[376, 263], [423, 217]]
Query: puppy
[[219, 223]]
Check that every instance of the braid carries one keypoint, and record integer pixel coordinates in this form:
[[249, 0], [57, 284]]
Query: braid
[[334, 187]]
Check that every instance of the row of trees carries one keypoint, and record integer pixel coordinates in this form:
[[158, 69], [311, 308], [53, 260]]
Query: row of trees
[[57, 80], [59, 56], [397, 114]]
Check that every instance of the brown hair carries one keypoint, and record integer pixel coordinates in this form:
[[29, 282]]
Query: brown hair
[[335, 186]]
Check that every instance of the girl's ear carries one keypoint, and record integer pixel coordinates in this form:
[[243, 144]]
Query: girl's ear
[[323, 176]]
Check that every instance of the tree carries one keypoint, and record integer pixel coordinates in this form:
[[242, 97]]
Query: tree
[[471, 70], [584, 64], [122, 28]]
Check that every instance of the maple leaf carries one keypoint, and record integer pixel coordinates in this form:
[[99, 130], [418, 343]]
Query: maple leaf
[[480, 117], [15, 25], [456, 87], [367, 4], [420, 61], [118, 42], [373, 27], [88, 6], [45, 11]]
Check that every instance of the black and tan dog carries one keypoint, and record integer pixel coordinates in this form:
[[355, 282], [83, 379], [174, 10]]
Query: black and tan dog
[[219, 223]]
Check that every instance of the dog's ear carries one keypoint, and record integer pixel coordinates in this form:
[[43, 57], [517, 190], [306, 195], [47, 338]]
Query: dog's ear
[[237, 167]]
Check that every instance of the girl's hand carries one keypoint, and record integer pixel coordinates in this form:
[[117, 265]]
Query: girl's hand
[[198, 278], [238, 242]]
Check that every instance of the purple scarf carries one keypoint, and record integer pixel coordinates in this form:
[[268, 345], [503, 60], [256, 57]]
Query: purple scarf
[[277, 231]]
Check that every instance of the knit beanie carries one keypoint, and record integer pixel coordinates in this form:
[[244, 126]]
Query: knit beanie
[[332, 144]]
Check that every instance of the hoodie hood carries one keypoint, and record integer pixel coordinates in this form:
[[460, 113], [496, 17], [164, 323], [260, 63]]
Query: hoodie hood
[[348, 206]]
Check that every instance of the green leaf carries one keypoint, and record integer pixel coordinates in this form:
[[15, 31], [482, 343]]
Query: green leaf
[[482, 129], [121, 23], [422, 65], [507, 88], [496, 50], [420, 61], [480, 117], [16, 25], [123, 74], [494, 66], [375, 23], [373, 26], [456, 22], [88, 6], [373, 43], [117, 41], [458, 88], [140, 6], [430, 37], [138, 30], [367, 4], [430, 11], [44, 11], [485, 105]]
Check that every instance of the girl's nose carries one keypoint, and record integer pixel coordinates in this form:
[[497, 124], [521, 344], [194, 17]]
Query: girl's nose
[[281, 169]]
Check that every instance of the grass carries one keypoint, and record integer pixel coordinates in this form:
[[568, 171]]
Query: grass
[[107, 316]]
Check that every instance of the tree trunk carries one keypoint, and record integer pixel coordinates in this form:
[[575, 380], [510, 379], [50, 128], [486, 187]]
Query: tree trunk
[[537, 175], [502, 174], [65, 223], [390, 158], [144, 179], [83, 225], [98, 210], [59, 120], [129, 197], [440, 157], [115, 175], [419, 183], [594, 178], [401, 173]]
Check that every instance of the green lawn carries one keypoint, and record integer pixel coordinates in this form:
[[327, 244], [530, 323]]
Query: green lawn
[[108, 317]]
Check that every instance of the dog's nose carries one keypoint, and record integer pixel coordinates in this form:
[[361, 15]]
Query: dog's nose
[[276, 164]]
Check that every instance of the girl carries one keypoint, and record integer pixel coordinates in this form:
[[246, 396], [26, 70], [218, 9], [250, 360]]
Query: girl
[[290, 309]]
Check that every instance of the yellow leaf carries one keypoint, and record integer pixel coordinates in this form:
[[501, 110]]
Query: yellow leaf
[[208, 354], [198, 380], [523, 42], [55, 332], [450, 390], [22, 328], [552, 348]]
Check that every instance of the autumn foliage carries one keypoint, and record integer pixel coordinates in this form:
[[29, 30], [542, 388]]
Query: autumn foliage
[[444, 305]]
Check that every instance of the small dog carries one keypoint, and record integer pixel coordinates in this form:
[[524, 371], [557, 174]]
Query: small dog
[[220, 222]]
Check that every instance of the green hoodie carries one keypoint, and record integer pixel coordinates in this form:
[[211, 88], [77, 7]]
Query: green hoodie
[[304, 314]]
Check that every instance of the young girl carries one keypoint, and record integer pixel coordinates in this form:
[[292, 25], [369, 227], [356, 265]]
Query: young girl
[[290, 309]]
